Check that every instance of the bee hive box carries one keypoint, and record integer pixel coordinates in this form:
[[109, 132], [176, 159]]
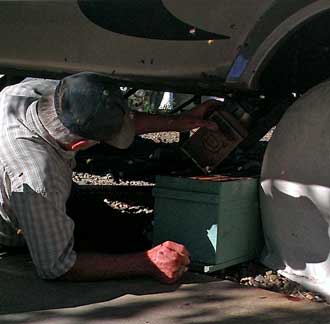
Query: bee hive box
[[217, 218]]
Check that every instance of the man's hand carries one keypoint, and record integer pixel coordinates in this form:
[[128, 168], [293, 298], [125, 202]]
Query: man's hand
[[204, 109], [170, 260]]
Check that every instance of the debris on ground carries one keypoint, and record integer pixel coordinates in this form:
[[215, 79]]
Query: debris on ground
[[125, 208], [84, 178], [163, 137], [253, 274]]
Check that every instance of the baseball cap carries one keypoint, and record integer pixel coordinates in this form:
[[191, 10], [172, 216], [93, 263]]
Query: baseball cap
[[92, 106]]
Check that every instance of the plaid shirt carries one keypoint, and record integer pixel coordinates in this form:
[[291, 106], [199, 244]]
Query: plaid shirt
[[35, 181]]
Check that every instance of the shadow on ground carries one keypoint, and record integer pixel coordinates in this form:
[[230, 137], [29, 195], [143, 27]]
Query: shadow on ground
[[22, 291], [198, 299]]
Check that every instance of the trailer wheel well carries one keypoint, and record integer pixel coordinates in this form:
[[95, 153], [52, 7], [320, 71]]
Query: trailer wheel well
[[302, 61]]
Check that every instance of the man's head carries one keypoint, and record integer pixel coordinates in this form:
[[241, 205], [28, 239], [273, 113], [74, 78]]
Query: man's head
[[92, 107]]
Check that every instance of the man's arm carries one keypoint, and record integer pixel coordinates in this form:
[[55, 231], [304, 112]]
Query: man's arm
[[147, 123], [165, 262], [48, 234]]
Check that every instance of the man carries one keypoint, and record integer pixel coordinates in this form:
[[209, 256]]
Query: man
[[44, 123]]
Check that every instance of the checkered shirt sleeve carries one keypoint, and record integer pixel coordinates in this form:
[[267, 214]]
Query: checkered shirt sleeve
[[47, 230]]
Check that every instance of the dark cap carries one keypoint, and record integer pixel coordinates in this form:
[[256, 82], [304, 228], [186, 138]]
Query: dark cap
[[92, 106]]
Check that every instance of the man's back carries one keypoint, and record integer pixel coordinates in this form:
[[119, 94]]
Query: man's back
[[35, 173]]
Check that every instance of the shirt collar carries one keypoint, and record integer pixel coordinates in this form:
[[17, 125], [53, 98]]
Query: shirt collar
[[36, 125]]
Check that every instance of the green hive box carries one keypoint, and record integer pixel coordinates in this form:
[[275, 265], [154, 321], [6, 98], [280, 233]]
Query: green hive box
[[216, 218]]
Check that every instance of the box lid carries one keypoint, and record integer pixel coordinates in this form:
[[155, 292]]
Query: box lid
[[208, 184]]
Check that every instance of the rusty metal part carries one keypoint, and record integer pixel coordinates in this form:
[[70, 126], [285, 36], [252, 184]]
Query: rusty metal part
[[208, 148], [263, 124]]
